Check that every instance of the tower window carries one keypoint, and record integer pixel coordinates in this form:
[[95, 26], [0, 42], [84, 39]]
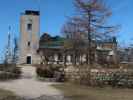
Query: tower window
[[28, 43], [29, 27]]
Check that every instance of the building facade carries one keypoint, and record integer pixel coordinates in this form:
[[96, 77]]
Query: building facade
[[52, 50], [107, 51], [29, 37], [34, 49]]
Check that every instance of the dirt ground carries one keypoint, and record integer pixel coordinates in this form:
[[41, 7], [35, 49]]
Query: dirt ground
[[28, 86], [78, 92]]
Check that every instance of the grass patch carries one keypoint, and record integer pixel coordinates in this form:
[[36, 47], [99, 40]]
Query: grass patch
[[77, 92], [8, 95]]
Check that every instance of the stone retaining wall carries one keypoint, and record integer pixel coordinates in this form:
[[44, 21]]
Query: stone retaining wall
[[77, 74], [95, 76]]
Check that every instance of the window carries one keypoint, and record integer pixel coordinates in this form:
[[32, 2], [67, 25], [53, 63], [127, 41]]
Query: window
[[60, 57], [29, 43], [29, 27]]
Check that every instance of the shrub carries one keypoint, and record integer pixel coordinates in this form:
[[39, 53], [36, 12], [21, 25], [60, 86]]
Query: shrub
[[44, 72], [9, 72], [51, 71], [16, 70]]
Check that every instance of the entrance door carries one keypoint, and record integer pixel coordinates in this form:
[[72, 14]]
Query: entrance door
[[28, 59]]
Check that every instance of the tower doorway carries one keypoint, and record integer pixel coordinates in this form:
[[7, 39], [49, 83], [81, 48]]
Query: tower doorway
[[28, 60]]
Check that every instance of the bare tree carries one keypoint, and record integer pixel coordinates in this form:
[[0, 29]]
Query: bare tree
[[89, 24], [75, 41]]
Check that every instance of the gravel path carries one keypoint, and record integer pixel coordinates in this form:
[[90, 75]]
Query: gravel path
[[28, 86]]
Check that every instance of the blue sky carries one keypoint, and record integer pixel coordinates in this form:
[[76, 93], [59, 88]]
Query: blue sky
[[54, 13]]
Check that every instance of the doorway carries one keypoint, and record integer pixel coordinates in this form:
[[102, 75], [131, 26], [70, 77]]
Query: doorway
[[28, 59]]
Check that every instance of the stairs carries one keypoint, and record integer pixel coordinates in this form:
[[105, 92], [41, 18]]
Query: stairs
[[28, 71]]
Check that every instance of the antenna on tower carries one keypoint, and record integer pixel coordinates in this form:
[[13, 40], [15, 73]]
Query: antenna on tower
[[39, 7], [9, 36]]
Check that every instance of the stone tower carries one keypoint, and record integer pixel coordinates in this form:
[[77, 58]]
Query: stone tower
[[29, 37]]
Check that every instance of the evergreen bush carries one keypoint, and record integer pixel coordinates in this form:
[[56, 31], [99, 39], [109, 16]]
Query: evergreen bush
[[51, 71]]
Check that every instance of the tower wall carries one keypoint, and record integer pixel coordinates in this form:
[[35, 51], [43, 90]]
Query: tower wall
[[29, 37]]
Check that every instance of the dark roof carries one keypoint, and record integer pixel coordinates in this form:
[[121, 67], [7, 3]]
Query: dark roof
[[47, 41], [107, 40], [32, 12]]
